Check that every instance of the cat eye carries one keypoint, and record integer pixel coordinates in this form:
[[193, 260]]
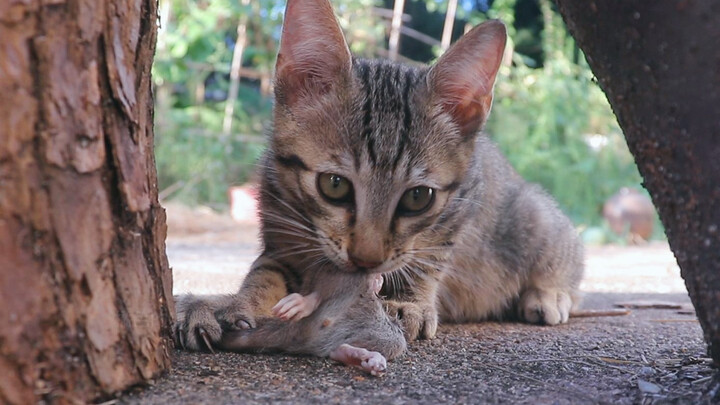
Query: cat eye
[[336, 189], [416, 200]]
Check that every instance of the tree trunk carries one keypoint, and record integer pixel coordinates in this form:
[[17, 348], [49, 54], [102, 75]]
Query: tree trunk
[[659, 65], [85, 290]]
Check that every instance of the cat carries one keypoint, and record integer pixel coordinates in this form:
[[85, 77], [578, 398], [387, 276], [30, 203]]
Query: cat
[[378, 167]]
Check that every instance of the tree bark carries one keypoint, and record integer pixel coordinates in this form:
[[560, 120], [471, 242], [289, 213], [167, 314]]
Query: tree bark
[[659, 65], [85, 290]]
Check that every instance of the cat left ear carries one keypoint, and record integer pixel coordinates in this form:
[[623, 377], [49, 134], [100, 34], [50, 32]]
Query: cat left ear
[[462, 80], [313, 56]]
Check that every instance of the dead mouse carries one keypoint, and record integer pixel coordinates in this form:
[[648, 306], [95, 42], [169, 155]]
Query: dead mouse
[[342, 318]]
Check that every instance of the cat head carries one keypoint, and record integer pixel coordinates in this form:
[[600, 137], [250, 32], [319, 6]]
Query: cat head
[[369, 154]]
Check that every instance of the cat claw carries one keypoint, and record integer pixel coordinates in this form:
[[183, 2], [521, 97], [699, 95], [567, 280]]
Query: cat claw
[[243, 324], [179, 338], [206, 338]]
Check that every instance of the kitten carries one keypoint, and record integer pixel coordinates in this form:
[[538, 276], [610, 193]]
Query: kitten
[[378, 167]]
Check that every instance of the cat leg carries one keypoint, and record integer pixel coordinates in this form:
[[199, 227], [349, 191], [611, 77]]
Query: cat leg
[[549, 306], [418, 313], [538, 237], [196, 327], [551, 290], [202, 319], [296, 306], [372, 362]]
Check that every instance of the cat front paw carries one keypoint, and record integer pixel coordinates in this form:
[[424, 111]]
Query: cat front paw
[[548, 307], [196, 328], [201, 321], [419, 321]]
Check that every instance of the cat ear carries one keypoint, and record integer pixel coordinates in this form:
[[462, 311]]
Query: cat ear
[[314, 56], [462, 80]]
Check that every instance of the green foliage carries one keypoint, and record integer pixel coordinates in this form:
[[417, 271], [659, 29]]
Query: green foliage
[[557, 128], [546, 123], [547, 113], [196, 161]]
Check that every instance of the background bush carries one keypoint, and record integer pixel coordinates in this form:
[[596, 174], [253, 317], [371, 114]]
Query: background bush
[[549, 116]]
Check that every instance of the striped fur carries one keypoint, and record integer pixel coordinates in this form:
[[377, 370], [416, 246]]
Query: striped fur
[[489, 247]]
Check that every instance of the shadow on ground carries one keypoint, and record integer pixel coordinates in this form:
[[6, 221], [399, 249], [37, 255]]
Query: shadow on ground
[[649, 356]]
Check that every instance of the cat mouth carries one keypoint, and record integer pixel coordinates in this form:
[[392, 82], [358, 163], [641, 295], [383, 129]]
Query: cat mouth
[[370, 268]]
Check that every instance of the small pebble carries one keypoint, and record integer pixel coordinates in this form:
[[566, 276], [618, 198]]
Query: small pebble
[[647, 371], [648, 387]]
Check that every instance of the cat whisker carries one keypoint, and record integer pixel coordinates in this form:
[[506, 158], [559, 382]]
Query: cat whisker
[[289, 232], [392, 278], [428, 249], [290, 207], [443, 227], [465, 199], [320, 261], [436, 265], [416, 271], [405, 272], [273, 217], [295, 251]]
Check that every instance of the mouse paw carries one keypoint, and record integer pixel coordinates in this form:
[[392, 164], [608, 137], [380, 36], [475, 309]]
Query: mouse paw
[[372, 362], [375, 364], [295, 307], [549, 307]]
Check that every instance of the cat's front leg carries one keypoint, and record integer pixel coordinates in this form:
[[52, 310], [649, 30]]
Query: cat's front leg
[[196, 327], [419, 320], [413, 302], [545, 306]]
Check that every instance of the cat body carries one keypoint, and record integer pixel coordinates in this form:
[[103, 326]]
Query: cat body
[[377, 167]]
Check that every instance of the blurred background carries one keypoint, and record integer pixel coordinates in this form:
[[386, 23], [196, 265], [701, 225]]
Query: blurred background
[[213, 84]]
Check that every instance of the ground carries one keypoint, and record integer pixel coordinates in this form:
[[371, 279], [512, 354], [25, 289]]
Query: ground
[[651, 355]]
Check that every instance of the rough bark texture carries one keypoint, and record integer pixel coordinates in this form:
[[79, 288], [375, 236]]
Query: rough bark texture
[[659, 65], [85, 288]]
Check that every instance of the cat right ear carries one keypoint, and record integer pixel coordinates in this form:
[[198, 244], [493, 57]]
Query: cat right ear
[[313, 56], [461, 81]]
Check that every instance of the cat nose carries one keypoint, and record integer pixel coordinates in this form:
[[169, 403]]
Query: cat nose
[[364, 263]]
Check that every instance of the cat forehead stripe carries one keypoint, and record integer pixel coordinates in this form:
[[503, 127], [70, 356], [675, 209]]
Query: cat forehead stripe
[[386, 91], [292, 161]]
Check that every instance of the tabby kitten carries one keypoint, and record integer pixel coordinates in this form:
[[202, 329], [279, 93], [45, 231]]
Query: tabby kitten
[[378, 167]]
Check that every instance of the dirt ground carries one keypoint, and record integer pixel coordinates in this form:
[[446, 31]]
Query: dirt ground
[[648, 356]]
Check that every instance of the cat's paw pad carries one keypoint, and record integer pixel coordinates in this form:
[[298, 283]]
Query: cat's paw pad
[[549, 307], [418, 321], [196, 328], [294, 307], [234, 318]]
